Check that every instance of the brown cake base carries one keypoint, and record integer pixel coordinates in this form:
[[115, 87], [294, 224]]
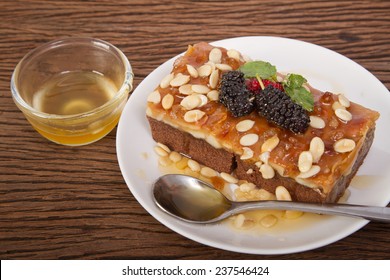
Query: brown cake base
[[223, 161]]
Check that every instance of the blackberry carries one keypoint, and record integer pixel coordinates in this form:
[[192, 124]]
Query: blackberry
[[278, 108], [234, 95]]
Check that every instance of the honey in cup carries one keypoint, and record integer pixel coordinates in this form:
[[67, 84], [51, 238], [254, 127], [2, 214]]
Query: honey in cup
[[73, 91]]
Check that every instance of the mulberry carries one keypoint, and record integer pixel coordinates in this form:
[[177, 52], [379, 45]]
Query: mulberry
[[278, 108], [234, 95]]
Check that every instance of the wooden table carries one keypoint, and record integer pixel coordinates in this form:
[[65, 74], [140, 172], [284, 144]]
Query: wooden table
[[59, 202]]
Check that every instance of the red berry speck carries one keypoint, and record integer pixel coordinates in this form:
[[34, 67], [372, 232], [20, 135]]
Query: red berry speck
[[273, 84], [253, 85]]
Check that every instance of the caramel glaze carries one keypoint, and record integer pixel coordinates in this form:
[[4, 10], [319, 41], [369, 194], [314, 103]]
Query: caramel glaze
[[219, 123]]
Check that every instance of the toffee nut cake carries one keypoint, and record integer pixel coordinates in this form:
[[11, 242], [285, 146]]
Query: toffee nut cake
[[244, 118]]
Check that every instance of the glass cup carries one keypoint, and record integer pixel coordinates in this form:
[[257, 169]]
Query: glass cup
[[73, 90]]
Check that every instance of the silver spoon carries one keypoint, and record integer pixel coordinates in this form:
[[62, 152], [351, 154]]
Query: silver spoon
[[195, 201]]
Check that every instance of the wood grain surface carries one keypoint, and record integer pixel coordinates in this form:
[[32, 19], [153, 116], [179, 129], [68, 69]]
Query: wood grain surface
[[59, 202]]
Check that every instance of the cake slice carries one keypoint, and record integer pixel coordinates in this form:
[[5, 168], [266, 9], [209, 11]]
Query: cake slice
[[269, 129]]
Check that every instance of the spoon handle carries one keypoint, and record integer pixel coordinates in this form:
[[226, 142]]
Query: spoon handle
[[381, 214]]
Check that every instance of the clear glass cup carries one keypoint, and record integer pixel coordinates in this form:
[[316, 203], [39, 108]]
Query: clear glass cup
[[72, 58]]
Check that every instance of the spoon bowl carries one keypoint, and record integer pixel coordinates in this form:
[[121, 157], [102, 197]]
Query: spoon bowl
[[195, 201]]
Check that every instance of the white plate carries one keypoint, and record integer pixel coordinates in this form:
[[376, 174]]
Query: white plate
[[324, 69]]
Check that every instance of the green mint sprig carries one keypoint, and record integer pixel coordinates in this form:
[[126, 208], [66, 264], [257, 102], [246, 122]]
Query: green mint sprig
[[262, 69], [293, 86]]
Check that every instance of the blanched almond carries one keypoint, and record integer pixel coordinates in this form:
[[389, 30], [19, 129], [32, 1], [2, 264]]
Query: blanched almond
[[213, 80], [344, 145], [247, 154], [264, 157], [186, 89], [305, 161], [192, 71], [343, 115], [164, 161], [191, 101], [246, 187], [208, 172], [223, 67], [344, 101], [317, 148], [317, 122], [193, 115], [233, 54], [215, 55], [175, 156], [154, 97], [249, 139], [200, 89], [166, 80], [167, 101], [204, 70], [213, 95], [267, 171], [312, 172], [270, 144], [282, 193], [336, 105], [179, 80], [244, 125], [229, 178], [193, 165], [160, 151], [163, 146]]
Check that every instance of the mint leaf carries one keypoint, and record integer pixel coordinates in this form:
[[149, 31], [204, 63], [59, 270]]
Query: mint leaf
[[295, 81], [259, 68], [293, 87]]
